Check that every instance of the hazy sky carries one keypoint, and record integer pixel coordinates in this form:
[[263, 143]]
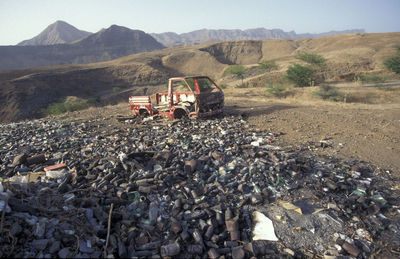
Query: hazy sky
[[24, 19]]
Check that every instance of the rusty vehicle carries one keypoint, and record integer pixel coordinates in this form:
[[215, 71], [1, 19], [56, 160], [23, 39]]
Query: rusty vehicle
[[191, 96]]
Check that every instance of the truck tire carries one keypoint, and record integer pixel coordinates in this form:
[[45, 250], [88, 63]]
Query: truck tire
[[180, 114], [143, 113]]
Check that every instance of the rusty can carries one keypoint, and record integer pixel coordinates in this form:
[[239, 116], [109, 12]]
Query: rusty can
[[235, 235], [197, 236], [213, 253], [144, 189], [354, 251], [232, 225], [176, 227], [170, 250], [238, 252], [228, 214], [37, 159], [122, 194]]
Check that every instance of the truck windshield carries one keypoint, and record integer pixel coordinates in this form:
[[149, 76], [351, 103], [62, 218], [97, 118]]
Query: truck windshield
[[181, 86], [205, 85]]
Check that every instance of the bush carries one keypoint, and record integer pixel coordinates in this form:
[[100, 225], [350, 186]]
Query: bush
[[328, 92], [93, 100], [393, 63], [300, 75], [66, 106], [268, 65], [311, 58], [372, 79], [222, 86], [153, 83], [237, 70], [276, 89]]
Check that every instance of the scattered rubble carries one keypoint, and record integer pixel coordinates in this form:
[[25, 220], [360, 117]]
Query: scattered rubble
[[189, 188]]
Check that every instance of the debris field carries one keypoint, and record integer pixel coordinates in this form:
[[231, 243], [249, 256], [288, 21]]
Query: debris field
[[212, 188]]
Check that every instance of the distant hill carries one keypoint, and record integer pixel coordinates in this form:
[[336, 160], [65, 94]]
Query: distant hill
[[107, 44], [57, 33], [202, 36], [62, 43]]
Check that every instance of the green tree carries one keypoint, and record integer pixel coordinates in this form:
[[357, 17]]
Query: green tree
[[311, 58], [237, 70], [300, 75], [267, 65]]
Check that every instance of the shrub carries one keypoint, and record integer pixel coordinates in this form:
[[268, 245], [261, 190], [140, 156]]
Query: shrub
[[372, 79], [66, 106], [328, 92], [222, 86], [268, 65], [393, 63], [93, 100], [275, 89], [237, 70], [116, 89], [153, 83], [311, 58], [300, 75]]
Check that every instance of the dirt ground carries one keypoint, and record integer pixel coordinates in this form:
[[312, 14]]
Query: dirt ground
[[365, 132]]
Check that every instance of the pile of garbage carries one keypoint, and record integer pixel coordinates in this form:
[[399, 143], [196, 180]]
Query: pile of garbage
[[192, 188]]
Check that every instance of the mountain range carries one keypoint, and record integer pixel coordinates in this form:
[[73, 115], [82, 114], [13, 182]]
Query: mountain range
[[201, 36], [62, 43]]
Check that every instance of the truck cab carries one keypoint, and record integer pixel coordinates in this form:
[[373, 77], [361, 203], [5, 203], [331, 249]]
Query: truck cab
[[192, 97]]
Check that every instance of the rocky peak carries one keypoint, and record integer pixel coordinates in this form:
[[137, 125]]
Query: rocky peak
[[59, 32]]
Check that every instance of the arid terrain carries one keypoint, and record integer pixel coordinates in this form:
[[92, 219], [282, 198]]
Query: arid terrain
[[347, 56], [322, 175]]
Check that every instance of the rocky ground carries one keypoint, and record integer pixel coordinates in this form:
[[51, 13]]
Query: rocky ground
[[193, 188]]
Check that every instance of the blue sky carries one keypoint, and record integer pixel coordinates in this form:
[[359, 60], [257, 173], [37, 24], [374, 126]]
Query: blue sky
[[24, 19]]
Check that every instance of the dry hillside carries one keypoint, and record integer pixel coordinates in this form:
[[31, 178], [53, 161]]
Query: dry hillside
[[36, 88]]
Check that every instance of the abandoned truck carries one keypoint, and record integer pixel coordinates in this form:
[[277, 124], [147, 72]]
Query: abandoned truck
[[191, 96]]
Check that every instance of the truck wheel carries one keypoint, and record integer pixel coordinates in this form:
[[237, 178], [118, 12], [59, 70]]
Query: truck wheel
[[180, 113], [144, 113]]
